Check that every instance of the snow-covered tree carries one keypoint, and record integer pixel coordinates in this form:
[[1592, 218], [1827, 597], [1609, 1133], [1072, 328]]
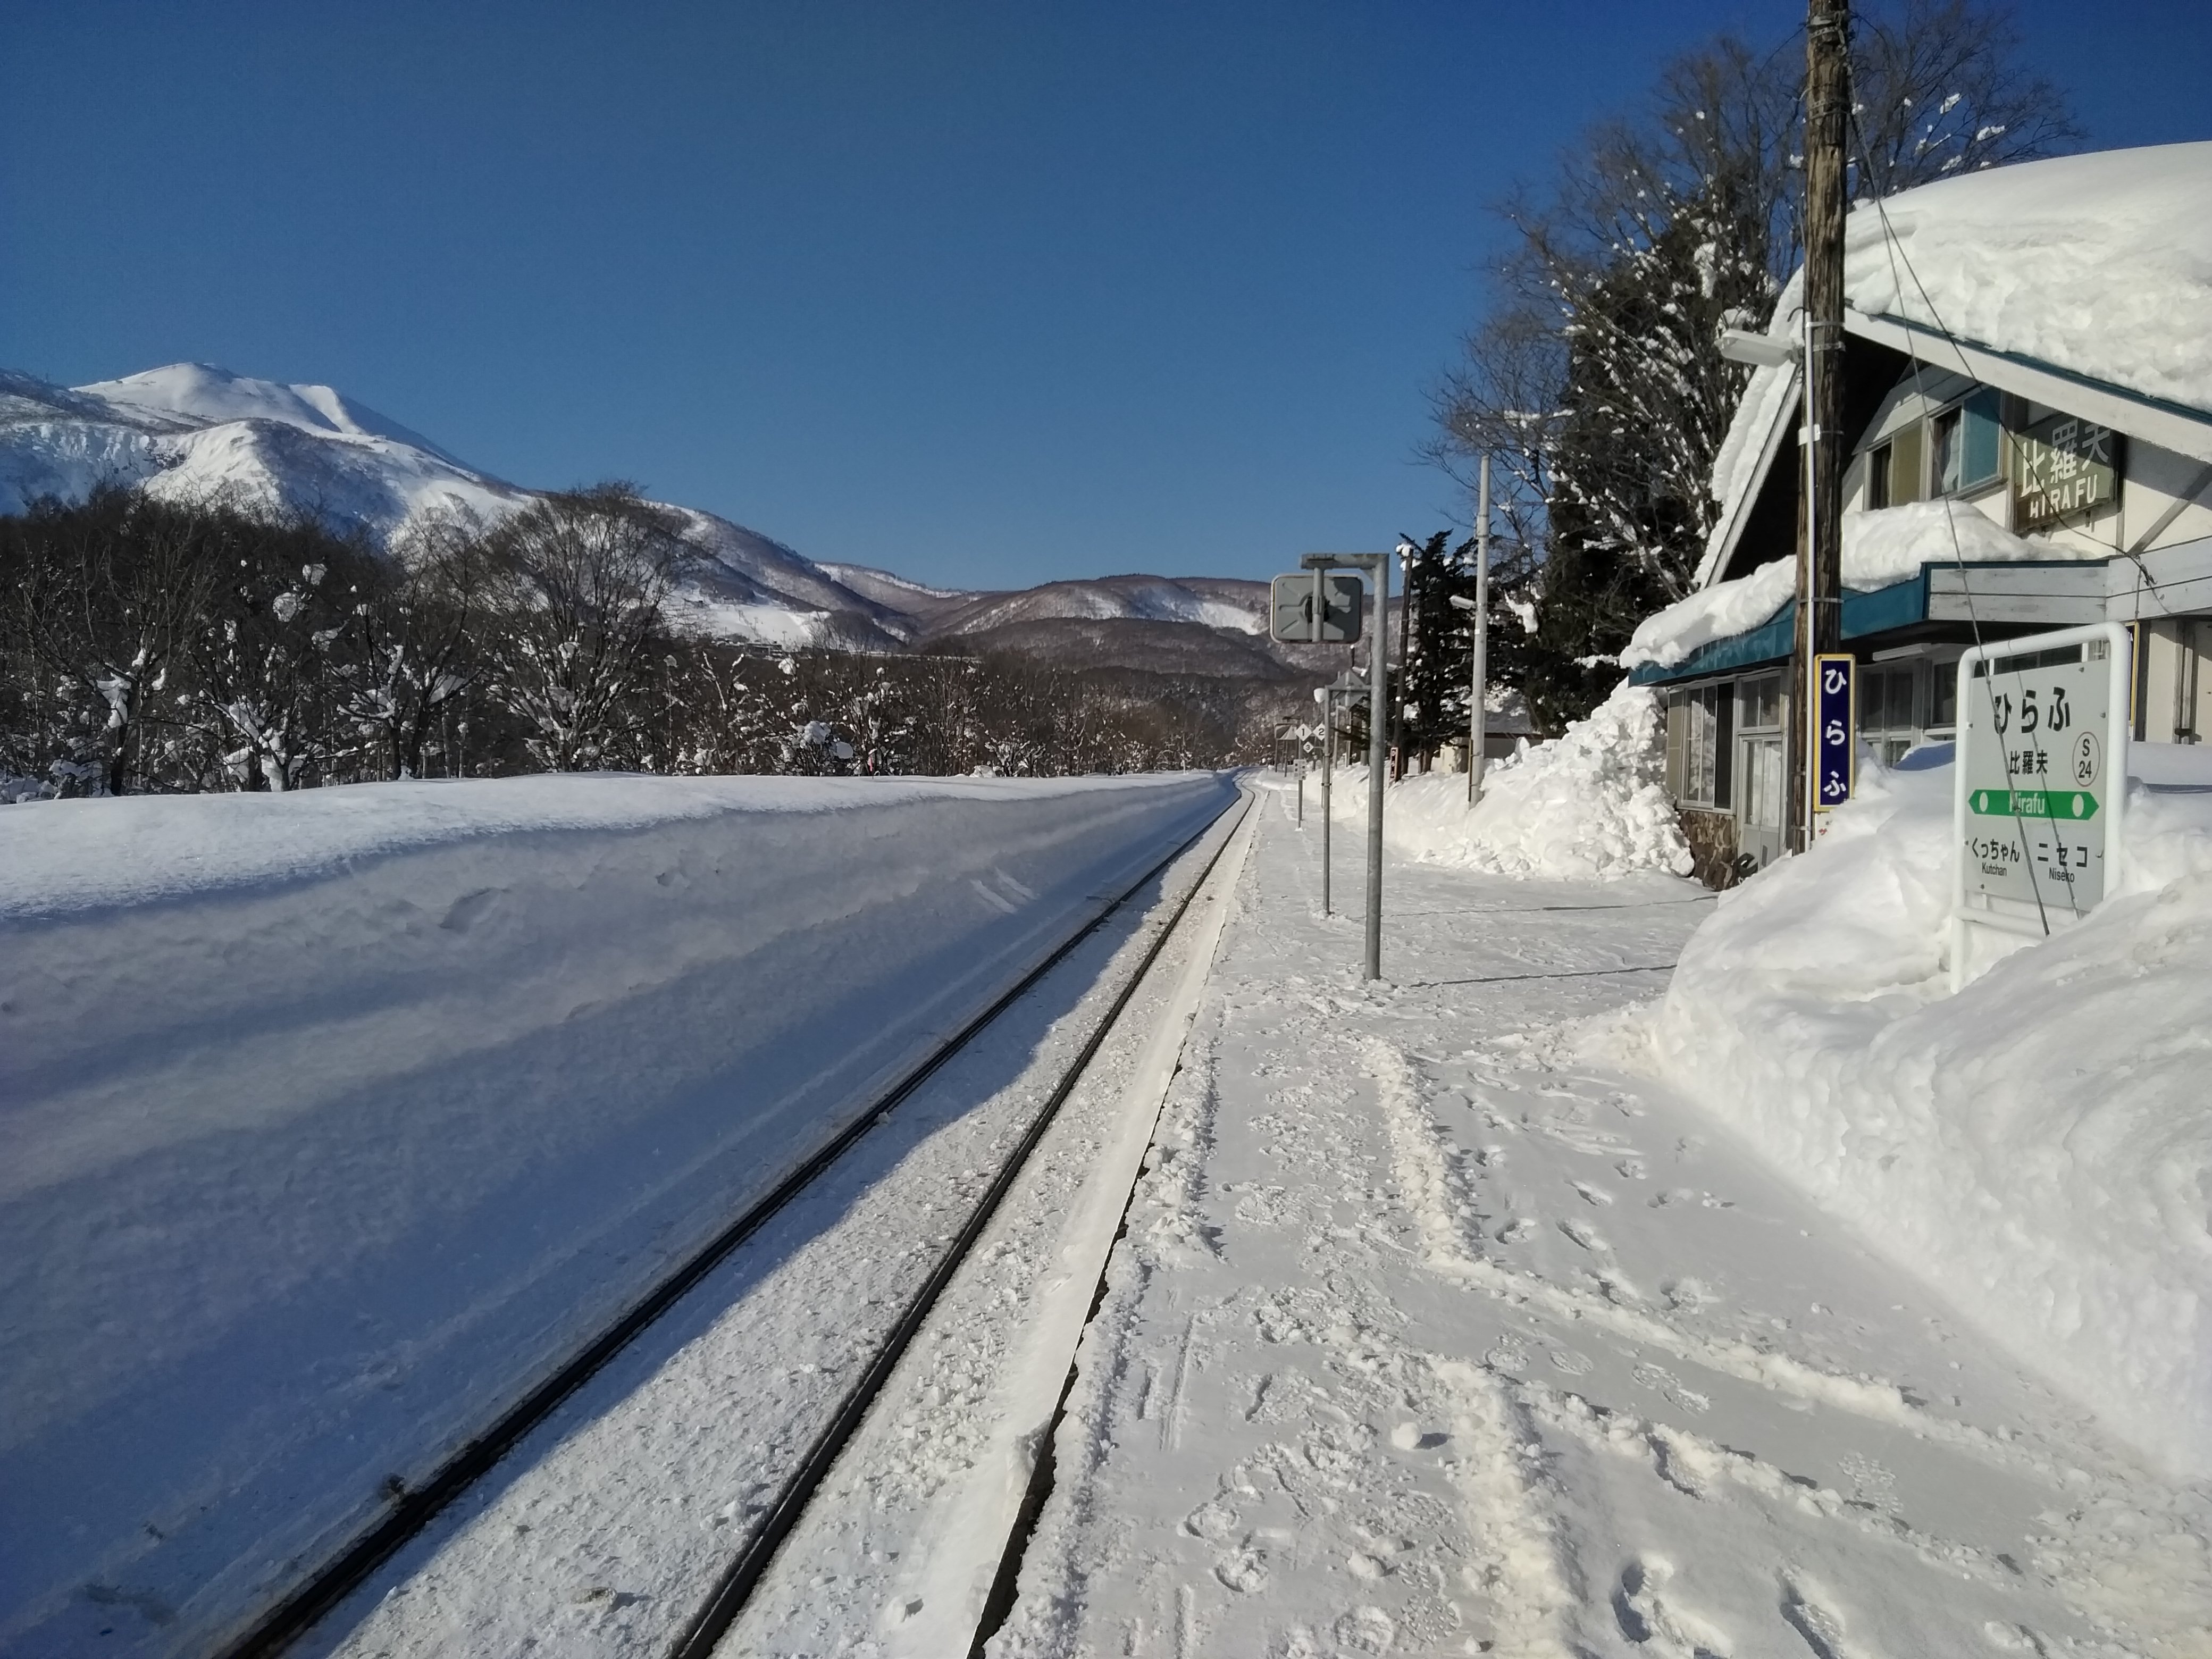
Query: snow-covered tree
[[580, 578], [1594, 383], [413, 649], [102, 600]]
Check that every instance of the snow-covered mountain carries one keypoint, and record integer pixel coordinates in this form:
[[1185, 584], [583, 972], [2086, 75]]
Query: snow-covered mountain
[[194, 432], [1209, 603]]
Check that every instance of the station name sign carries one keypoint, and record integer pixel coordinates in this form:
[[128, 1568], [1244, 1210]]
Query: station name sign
[[2064, 465]]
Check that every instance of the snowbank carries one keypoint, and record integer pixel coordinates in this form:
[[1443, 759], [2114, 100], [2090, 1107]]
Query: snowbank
[[327, 1120], [2039, 1146], [1592, 803], [1885, 546]]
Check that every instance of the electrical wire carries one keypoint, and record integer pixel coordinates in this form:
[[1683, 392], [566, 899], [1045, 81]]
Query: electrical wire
[[1895, 247]]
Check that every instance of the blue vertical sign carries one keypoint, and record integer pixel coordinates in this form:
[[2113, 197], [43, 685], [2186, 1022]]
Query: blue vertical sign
[[1835, 729]]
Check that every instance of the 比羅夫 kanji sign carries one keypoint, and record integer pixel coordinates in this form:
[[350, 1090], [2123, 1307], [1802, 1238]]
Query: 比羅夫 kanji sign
[[2062, 465]]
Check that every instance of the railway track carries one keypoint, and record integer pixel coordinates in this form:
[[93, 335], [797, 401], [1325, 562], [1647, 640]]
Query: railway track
[[413, 1511]]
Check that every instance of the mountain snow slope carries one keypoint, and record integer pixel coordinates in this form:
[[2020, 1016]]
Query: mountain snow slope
[[192, 431], [1211, 604], [197, 391]]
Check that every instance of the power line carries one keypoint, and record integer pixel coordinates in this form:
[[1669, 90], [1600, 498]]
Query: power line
[[1895, 246]]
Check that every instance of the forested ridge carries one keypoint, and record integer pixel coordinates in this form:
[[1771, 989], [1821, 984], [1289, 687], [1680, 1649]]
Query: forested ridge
[[147, 646]]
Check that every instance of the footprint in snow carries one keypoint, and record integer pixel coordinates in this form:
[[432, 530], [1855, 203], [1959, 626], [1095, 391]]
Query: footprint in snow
[[1365, 1630], [1591, 1194], [1508, 1357], [1573, 1363], [1821, 1626], [1586, 1236], [1245, 1571], [1212, 1522], [1515, 1229], [1662, 1381], [1656, 1620]]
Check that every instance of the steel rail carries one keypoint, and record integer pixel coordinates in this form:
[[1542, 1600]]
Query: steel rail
[[738, 1581], [414, 1507]]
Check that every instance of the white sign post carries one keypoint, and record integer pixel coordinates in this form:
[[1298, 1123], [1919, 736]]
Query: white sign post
[[2041, 782]]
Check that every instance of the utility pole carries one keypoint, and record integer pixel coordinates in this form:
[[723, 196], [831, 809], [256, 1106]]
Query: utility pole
[[1326, 696], [1820, 550], [1478, 715]]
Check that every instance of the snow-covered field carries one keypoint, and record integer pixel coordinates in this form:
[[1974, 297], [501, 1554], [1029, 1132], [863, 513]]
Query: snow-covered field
[[328, 1120], [603, 1531], [1633, 1271]]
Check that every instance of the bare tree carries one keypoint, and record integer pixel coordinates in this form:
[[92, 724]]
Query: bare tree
[[418, 639], [582, 577], [1594, 383], [103, 601]]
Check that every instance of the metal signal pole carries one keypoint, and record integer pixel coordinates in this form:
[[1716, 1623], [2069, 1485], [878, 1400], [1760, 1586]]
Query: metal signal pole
[[1820, 552], [1326, 698], [1377, 567]]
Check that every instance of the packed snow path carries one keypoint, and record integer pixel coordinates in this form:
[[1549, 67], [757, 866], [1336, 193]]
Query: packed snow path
[[1431, 1333]]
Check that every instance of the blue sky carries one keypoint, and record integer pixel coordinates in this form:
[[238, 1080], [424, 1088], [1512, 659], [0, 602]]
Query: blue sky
[[986, 294]]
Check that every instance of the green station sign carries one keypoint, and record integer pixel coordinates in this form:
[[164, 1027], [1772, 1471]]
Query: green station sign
[[2069, 804]]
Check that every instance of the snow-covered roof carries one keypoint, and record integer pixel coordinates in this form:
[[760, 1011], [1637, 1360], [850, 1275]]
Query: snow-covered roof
[[1879, 548], [2098, 264], [2086, 278]]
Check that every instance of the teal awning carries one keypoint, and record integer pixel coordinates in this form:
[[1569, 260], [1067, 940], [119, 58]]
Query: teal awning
[[1897, 605]]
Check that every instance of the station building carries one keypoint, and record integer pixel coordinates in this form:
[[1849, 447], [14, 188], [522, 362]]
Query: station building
[[2028, 391]]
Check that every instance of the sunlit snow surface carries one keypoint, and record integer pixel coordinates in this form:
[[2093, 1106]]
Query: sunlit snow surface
[[1496, 1308], [2039, 1146], [328, 1120], [2099, 265], [1591, 802], [1441, 1326]]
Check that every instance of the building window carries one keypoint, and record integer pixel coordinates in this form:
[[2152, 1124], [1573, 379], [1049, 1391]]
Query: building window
[[1885, 711], [1943, 697], [1763, 763], [1877, 479], [1758, 704], [1699, 723], [1965, 443]]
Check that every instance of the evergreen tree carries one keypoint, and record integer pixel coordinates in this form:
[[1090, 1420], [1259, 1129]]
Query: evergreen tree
[[1595, 384]]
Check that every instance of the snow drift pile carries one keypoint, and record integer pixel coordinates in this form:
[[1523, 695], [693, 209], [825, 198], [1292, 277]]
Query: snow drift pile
[[1592, 803], [2038, 1145], [328, 1120]]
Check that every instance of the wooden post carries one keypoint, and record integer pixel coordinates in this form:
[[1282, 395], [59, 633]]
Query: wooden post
[[1819, 551]]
